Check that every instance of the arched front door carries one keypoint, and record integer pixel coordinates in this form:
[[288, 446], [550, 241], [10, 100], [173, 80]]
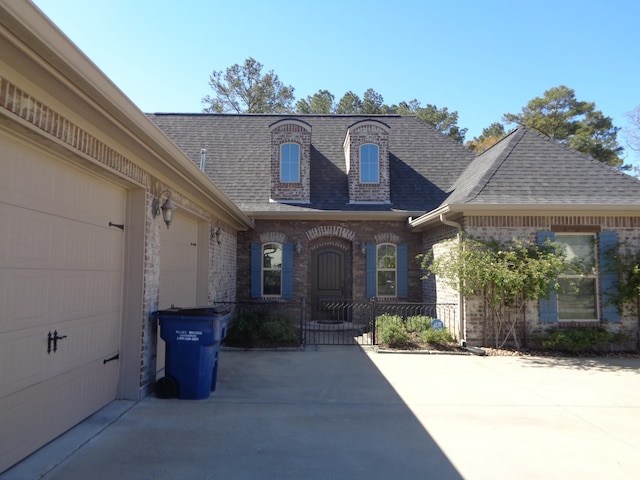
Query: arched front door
[[327, 282]]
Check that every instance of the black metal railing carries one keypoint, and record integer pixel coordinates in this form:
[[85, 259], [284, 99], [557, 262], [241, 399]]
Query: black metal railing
[[336, 321]]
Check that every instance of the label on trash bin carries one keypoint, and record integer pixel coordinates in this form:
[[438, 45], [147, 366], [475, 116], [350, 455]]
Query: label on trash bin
[[188, 335]]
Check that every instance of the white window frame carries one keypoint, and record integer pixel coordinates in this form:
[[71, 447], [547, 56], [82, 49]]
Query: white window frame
[[383, 269], [377, 164], [591, 273], [264, 269], [289, 163]]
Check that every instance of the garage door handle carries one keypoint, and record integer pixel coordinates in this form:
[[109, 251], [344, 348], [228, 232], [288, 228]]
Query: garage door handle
[[56, 338], [115, 357]]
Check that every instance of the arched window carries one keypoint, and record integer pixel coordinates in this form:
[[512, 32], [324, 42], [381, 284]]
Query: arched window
[[369, 163], [290, 163], [271, 269], [386, 267]]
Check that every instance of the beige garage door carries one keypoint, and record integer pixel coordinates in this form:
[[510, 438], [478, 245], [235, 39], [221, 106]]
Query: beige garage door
[[178, 269], [60, 271]]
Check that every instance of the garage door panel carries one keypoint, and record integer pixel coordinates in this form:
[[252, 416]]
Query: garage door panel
[[25, 299], [25, 348], [61, 269], [37, 182], [36, 239]]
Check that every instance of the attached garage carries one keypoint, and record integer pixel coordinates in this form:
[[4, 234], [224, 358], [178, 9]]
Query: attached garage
[[84, 260], [61, 280], [178, 270]]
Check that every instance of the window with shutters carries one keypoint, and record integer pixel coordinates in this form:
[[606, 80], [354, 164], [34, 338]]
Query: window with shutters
[[386, 263], [586, 296], [578, 296], [271, 269]]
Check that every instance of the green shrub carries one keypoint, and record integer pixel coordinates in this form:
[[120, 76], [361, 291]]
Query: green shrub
[[262, 329], [575, 339], [436, 336], [398, 333], [418, 324], [392, 331]]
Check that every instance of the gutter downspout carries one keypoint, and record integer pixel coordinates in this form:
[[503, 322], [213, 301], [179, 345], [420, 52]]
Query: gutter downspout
[[461, 316]]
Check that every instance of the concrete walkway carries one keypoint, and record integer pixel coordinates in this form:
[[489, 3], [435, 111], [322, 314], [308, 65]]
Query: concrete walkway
[[347, 413]]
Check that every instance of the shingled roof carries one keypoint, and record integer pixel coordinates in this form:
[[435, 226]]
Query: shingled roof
[[528, 168], [424, 164]]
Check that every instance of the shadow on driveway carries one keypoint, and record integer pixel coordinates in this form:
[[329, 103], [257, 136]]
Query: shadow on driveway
[[323, 413]]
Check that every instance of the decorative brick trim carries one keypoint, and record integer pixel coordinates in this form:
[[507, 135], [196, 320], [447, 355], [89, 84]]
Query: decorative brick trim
[[38, 114], [273, 237], [546, 222], [387, 238], [331, 231]]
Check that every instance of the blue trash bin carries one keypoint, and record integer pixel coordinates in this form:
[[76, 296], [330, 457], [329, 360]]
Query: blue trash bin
[[193, 337]]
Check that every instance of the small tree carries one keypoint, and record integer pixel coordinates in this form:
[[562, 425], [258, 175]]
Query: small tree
[[626, 264], [506, 275]]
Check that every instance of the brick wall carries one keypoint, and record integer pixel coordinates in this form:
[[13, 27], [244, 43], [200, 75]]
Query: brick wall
[[291, 132], [360, 134], [479, 321], [344, 235]]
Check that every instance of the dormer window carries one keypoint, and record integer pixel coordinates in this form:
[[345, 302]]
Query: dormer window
[[290, 163], [369, 163], [366, 152]]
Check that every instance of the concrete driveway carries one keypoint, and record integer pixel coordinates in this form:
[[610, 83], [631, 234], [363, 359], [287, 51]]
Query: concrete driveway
[[347, 413]]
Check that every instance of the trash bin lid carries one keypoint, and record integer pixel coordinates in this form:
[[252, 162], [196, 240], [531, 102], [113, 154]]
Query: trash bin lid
[[194, 311]]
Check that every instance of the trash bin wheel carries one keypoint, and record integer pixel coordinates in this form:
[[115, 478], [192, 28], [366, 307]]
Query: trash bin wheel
[[167, 387]]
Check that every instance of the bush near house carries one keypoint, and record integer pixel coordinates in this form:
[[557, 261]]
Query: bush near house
[[580, 340], [412, 333], [262, 329]]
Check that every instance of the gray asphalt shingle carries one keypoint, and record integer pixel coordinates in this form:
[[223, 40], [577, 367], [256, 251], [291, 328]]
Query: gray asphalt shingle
[[528, 168], [423, 162]]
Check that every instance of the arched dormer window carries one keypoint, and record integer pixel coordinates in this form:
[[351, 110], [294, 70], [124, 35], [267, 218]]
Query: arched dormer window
[[290, 163], [369, 163]]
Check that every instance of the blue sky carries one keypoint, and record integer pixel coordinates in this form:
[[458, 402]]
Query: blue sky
[[479, 58]]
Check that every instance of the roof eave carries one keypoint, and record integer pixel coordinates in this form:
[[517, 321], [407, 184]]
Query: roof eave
[[433, 217], [333, 215]]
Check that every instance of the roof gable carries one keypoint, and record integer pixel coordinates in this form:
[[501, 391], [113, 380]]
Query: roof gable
[[528, 168]]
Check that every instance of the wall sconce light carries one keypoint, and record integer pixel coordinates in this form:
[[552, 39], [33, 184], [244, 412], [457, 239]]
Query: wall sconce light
[[363, 247], [298, 247], [216, 232], [168, 208]]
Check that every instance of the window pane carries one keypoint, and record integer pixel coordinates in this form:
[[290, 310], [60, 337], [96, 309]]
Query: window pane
[[272, 281], [369, 163], [577, 299], [387, 256], [272, 256], [290, 163], [579, 249], [387, 283]]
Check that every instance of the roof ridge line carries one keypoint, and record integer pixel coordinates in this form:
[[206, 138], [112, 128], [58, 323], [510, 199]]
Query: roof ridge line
[[516, 135]]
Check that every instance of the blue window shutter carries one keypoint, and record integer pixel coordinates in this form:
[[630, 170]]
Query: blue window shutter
[[287, 270], [371, 271], [608, 241], [548, 306], [403, 271], [256, 270]]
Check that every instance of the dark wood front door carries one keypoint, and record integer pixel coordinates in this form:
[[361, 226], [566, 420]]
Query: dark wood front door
[[328, 278]]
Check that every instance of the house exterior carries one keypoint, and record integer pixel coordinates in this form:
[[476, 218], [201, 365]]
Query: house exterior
[[330, 195], [334, 196], [85, 256], [266, 207]]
